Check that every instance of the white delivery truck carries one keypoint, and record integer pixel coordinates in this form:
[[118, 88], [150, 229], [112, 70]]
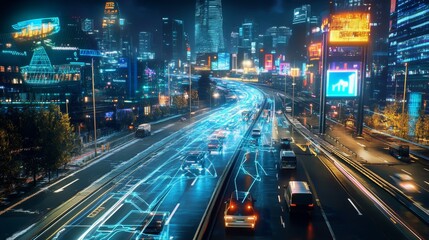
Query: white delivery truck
[[143, 130]]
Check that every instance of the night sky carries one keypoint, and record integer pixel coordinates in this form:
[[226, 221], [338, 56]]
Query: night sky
[[146, 14]]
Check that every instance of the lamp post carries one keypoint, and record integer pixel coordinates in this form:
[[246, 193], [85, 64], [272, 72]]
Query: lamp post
[[169, 82], [67, 106], [190, 92], [294, 73], [285, 89], [215, 96], [405, 88], [93, 107]]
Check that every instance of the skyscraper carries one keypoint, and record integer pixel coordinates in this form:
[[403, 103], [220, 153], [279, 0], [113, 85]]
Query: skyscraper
[[173, 40], [110, 27], [303, 22], [208, 26], [145, 46], [408, 50]]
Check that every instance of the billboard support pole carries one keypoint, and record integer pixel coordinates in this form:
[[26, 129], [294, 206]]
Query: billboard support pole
[[359, 126], [322, 109]]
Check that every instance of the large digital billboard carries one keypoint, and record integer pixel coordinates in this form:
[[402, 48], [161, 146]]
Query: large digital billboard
[[223, 62], [349, 28], [341, 83]]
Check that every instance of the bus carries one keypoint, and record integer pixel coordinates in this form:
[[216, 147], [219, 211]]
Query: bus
[[287, 159], [400, 152]]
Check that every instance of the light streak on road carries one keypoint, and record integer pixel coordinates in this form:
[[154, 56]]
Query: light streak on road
[[357, 210], [162, 129], [172, 214], [371, 196], [62, 188]]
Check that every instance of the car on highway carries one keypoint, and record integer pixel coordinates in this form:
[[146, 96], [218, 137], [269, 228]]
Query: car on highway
[[214, 145], [219, 134], [405, 182], [256, 132], [194, 160], [298, 197], [285, 144], [154, 226], [239, 211]]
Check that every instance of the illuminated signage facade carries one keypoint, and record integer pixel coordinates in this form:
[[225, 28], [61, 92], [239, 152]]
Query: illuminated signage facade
[[341, 83], [268, 62], [349, 28], [284, 68], [315, 51], [36, 28], [221, 62]]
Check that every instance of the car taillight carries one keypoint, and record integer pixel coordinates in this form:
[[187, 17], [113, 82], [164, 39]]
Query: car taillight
[[311, 205], [228, 217], [251, 218], [293, 205]]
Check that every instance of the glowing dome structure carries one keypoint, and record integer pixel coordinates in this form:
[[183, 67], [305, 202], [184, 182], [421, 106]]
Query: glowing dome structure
[[41, 72]]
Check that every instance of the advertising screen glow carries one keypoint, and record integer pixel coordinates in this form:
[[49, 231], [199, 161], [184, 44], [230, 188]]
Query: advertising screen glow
[[341, 83]]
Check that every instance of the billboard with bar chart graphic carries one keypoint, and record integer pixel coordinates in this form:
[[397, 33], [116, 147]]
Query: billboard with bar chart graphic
[[341, 83]]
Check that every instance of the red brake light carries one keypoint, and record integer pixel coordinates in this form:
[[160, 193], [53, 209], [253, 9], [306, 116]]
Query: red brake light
[[311, 205], [293, 205]]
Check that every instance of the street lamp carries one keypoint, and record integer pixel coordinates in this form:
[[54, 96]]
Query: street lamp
[[67, 106], [215, 95], [190, 92], [93, 107], [294, 73], [169, 82], [405, 88]]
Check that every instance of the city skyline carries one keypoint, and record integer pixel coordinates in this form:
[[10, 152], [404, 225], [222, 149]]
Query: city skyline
[[147, 15]]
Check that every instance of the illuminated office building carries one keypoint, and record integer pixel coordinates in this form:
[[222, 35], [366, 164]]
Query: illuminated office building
[[208, 26], [110, 28], [247, 33], [173, 40], [302, 24], [145, 46], [409, 38]]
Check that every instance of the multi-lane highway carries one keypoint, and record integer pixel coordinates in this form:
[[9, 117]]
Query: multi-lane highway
[[113, 196]]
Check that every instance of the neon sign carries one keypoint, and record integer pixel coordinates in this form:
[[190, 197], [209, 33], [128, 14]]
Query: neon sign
[[341, 83]]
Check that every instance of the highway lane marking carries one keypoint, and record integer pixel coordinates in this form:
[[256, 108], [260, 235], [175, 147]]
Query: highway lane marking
[[163, 128], [406, 172], [426, 169], [360, 144], [282, 222], [16, 235], [278, 196], [172, 214], [193, 182], [357, 210], [62, 188]]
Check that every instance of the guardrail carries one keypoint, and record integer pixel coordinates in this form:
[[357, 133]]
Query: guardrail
[[379, 181]]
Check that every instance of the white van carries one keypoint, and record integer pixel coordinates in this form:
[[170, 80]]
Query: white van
[[143, 130], [298, 197]]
